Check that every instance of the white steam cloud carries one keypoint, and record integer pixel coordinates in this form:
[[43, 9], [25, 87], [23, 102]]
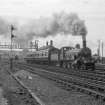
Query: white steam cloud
[[66, 23]]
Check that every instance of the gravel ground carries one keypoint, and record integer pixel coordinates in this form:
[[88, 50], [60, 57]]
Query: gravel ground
[[11, 93], [50, 94], [3, 101]]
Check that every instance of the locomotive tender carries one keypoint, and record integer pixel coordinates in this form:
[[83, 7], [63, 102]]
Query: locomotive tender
[[66, 57]]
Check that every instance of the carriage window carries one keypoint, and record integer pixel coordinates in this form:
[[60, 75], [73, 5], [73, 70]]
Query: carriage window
[[45, 53]]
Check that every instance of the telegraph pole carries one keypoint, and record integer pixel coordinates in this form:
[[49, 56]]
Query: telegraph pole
[[102, 51], [99, 48], [36, 44]]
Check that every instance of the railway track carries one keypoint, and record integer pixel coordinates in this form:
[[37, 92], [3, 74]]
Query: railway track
[[89, 86], [83, 74], [100, 67]]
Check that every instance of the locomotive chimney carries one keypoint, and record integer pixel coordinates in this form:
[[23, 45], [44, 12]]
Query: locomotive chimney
[[83, 33], [84, 41], [47, 43], [51, 43]]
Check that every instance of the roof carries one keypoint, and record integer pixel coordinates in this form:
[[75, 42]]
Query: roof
[[67, 47], [47, 47]]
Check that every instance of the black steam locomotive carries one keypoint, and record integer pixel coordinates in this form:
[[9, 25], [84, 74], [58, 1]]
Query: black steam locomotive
[[66, 57], [77, 58]]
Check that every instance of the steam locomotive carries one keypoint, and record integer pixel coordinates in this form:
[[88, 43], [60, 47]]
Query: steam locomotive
[[66, 57]]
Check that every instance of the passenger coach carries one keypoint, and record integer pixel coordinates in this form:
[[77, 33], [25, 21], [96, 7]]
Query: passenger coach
[[45, 55]]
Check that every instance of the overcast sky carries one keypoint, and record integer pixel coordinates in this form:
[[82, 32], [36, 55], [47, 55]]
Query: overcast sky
[[92, 11]]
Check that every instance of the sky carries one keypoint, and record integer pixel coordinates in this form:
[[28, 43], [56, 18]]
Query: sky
[[91, 11]]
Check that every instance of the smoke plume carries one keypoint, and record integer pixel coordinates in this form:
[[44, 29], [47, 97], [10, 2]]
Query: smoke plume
[[66, 23], [58, 23], [4, 27]]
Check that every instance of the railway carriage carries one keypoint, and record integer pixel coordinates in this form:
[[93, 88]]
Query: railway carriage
[[44, 55]]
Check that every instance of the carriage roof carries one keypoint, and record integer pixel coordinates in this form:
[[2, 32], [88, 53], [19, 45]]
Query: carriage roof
[[44, 49], [47, 48]]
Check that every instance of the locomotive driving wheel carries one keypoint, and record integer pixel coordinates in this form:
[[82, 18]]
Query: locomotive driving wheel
[[68, 65], [83, 67], [72, 66]]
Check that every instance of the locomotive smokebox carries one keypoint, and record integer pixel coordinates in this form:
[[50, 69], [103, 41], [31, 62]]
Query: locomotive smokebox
[[84, 41], [51, 43]]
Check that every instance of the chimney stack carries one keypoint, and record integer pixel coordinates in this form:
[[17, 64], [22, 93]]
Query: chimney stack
[[47, 43], [36, 45], [51, 43]]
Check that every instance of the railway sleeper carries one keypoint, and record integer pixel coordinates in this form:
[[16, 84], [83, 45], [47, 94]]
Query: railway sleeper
[[82, 90], [100, 97], [91, 86], [88, 86], [104, 99], [70, 87], [59, 81], [78, 89], [101, 89], [96, 95], [66, 86], [87, 92], [93, 94], [101, 79], [96, 88]]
